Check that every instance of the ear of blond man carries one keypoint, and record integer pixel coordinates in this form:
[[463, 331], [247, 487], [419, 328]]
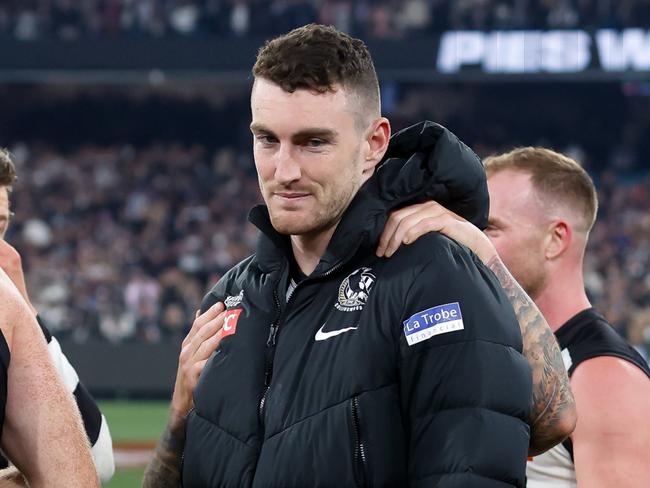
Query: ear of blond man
[[43, 434]]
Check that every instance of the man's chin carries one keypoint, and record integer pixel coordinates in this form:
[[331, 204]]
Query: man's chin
[[292, 228], [293, 224]]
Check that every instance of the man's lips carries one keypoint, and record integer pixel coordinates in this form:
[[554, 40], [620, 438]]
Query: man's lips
[[291, 195]]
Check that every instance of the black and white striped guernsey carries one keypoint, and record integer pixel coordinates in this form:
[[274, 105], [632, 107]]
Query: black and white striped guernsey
[[93, 420], [585, 336], [588, 335]]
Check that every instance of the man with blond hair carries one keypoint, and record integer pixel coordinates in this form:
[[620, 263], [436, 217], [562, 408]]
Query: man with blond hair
[[11, 264], [543, 205]]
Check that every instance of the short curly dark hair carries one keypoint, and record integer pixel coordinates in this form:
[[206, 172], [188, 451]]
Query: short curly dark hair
[[7, 169], [318, 57]]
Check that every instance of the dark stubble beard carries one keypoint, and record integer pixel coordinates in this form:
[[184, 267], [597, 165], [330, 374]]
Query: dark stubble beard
[[333, 212], [330, 214]]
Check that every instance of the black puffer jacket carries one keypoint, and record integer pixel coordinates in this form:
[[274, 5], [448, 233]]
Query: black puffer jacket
[[377, 372]]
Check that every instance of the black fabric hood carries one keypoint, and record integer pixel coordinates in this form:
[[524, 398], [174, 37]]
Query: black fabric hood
[[423, 162], [428, 162]]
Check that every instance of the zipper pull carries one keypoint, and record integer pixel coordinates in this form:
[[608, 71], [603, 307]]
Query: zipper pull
[[270, 342]]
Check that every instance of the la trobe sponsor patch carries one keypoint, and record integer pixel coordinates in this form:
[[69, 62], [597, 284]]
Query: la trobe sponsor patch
[[432, 322]]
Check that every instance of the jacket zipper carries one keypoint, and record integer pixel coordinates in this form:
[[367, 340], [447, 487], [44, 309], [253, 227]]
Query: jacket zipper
[[270, 354], [275, 326], [359, 451]]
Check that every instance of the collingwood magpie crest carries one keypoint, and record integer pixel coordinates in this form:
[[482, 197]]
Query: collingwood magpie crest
[[355, 290]]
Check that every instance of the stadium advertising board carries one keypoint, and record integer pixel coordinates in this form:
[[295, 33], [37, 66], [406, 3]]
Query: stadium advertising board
[[582, 55], [530, 52]]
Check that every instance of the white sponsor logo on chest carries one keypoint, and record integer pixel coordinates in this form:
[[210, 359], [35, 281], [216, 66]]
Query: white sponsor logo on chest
[[233, 301]]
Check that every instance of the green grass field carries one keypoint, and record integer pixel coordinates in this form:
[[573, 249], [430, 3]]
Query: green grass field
[[139, 421], [135, 421]]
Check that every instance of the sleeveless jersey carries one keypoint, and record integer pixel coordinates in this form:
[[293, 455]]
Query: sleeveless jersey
[[585, 336]]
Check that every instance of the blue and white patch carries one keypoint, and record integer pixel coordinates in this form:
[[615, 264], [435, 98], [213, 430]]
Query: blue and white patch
[[432, 322]]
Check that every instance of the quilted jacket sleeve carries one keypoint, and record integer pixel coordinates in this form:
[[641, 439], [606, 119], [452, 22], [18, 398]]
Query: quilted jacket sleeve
[[465, 386]]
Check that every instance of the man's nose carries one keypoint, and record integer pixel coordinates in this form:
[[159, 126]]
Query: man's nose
[[287, 169]]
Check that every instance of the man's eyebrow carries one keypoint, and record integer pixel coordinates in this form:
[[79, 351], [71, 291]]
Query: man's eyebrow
[[315, 132], [257, 127], [318, 132]]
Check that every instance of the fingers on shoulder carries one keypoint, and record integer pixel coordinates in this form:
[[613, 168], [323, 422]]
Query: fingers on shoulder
[[201, 319]]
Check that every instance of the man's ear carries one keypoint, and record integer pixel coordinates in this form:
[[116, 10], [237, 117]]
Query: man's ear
[[377, 139], [558, 239]]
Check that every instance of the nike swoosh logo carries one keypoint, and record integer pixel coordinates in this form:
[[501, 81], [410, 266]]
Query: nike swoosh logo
[[321, 336]]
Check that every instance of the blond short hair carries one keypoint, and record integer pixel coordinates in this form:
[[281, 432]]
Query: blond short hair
[[554, 176]]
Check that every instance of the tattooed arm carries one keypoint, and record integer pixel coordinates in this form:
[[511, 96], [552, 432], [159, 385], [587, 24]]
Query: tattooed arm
[[553, 413], [164, 470]]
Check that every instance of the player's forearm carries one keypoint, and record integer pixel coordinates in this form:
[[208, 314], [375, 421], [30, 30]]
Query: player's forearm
[[164, 470], [40, 416], [553, 413], [94, 423], [66, 461]]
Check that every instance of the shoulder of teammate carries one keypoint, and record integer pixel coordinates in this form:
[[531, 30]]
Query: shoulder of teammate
[[610, 392], [611, 438]]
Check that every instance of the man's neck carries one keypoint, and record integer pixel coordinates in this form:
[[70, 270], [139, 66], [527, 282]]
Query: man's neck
[[562, 298], [308, 249]]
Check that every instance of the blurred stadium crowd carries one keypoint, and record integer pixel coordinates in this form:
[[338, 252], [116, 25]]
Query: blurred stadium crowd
[[121, 239], [385, 19], [122, 242]]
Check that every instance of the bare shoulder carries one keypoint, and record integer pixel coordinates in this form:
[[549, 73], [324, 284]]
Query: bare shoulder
[[598, 375], [610, 393], [612, 435]]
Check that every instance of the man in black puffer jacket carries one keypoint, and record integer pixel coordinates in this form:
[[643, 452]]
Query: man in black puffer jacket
[[338, 368]]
